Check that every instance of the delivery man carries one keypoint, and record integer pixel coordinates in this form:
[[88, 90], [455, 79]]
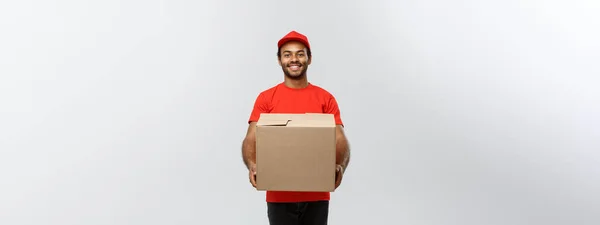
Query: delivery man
[[296, 95]]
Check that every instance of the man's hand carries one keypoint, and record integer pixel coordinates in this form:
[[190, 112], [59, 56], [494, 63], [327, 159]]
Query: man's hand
[[249, 152], [339, 173], [342, 157], [252, 174]]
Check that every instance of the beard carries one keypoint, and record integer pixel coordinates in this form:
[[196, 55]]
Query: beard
[[295, 75]]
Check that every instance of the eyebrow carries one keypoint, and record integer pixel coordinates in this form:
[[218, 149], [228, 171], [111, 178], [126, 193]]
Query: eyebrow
[[291, 51]]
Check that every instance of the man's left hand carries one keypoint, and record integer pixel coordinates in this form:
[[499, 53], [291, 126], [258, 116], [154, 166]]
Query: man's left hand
[[339, 173]]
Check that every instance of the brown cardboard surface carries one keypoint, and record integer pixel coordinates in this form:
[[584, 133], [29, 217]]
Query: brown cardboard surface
[[295, 152]]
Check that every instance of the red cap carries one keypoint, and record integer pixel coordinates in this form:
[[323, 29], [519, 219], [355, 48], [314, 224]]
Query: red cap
[[294, 36]]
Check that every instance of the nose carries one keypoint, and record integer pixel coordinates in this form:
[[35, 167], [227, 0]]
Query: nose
[[294, 58]]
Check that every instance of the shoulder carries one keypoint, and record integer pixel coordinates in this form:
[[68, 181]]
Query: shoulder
[[269, 92], [322, 91], [271, 89]]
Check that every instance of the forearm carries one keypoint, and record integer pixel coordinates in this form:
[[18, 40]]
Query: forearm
[[342, 151], [249, 152]]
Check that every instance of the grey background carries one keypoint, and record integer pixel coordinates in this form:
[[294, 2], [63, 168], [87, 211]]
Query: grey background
[[458, 112]]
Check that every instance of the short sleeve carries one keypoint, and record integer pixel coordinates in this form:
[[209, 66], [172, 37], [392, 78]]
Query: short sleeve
[[260, 106], [333, 108]]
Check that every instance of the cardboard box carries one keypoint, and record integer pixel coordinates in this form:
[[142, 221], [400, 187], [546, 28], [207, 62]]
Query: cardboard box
[[295, 152]]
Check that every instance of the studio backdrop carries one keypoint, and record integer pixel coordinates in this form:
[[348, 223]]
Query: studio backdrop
[[133, 112]]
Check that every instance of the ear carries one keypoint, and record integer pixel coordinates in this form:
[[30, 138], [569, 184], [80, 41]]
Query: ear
[[279, 61], [309, 60]]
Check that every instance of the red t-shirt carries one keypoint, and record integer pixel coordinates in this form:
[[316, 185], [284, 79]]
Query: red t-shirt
[[283, 99]]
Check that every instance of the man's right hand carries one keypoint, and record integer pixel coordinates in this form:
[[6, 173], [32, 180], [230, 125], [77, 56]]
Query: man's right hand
[[252, 174]]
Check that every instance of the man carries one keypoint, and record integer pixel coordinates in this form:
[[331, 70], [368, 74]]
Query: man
[[296, 95]]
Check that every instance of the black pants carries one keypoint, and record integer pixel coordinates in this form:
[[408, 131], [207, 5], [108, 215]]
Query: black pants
[[298, 213]]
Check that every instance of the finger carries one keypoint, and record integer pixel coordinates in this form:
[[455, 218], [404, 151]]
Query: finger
[[253, 179]]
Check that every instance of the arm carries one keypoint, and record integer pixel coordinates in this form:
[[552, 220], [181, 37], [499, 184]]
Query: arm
[[342, 148], [249, 146], [342, 156], [249, 143]]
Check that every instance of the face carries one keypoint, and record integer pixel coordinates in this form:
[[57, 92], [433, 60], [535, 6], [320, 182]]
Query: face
[[294, 60]]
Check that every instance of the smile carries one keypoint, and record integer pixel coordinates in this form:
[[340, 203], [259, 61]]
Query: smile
[[295, 67]]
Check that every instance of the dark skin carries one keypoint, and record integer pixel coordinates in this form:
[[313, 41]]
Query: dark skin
[[249, 152], [294, 61]]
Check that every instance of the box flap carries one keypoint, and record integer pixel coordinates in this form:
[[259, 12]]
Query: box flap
[[313, 120], [296, 120], [276, 122], [273, 119]]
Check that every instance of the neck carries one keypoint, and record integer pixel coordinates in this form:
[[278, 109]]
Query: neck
[[292, 83]]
